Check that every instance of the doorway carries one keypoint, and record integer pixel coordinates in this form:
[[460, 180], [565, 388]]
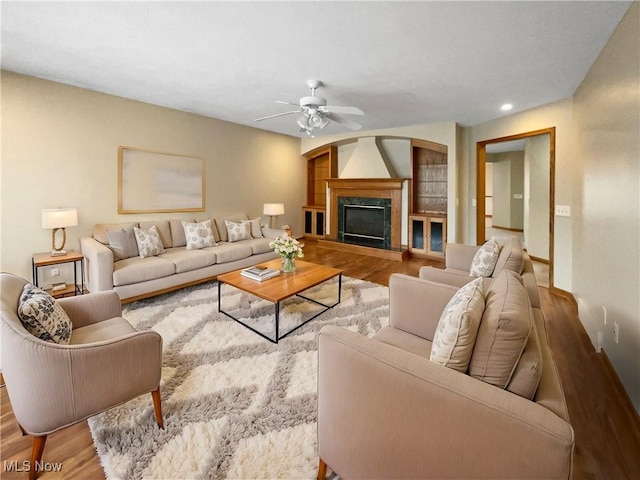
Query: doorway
[[523, 192]]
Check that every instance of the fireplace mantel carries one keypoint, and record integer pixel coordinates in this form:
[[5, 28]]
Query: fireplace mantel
[[390, 188]]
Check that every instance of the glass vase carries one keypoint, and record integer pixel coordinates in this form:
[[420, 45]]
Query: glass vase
[[288, 264]]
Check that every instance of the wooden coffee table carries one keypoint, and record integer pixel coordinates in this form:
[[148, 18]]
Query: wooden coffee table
[[280, 288]]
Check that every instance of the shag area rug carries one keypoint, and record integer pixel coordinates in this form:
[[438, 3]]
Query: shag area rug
[[235, 405]]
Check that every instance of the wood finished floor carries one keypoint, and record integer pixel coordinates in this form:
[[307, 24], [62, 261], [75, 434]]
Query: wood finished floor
[[607, 427]]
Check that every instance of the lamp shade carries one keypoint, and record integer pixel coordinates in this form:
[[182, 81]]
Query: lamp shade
[[59, 217], [273, 209]]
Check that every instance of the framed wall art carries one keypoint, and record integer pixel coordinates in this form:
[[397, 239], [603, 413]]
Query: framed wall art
[[150, 181]]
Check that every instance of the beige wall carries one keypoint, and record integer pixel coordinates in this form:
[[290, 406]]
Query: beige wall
[[507, 184], [60, 146], [536, 196], [606, 212]]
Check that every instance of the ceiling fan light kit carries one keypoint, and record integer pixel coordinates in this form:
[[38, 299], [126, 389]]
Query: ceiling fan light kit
[[316, 114]]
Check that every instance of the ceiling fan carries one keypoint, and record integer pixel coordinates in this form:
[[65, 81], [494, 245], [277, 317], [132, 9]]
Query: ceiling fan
[[316, 114]]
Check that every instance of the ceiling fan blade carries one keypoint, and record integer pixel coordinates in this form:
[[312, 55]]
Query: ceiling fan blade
[[288, 103], [276, 115], [339, 109], [345, 122]]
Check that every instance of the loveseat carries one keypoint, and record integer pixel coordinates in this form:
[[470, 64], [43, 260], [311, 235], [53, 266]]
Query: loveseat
[[387, 410], [134, 278]]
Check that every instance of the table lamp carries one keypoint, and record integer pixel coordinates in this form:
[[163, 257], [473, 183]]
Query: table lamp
[[273, 210], [58, 219]]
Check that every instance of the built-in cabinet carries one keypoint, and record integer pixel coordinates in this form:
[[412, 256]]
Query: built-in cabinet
[[428, 200], [322, 164]]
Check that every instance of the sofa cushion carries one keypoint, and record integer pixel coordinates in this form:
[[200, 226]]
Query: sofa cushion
[[42, 316], [214, 227], [255, 228], [230, 252], [258, 245], [187, 260], [511, 257], [177, 233], [237, 231], [100, 230], [97, 332], [136, 270], [149, 242], [484, 260], [526, 376], [504, 330], [198, 235], [163, 231], [405, 341], [122, 243], [458, 326], [222, 228]]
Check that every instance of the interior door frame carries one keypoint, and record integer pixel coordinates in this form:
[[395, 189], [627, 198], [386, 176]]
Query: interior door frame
[[481, 158]]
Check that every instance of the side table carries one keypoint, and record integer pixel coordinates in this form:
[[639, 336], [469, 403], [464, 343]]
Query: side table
[[45, 259]]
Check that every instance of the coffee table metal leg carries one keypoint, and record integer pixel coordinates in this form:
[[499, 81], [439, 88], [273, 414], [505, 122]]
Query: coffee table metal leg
[[277, 321]]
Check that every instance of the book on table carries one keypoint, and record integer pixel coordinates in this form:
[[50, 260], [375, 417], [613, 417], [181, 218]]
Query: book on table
[[259, 273]]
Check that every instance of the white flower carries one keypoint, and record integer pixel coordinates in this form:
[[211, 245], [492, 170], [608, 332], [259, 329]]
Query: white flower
[[287, 246]]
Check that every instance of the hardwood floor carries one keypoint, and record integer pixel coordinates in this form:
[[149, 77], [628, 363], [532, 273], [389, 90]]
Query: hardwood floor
[[607, 427]]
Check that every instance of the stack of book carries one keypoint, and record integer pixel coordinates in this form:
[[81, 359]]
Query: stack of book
[[259, 273]]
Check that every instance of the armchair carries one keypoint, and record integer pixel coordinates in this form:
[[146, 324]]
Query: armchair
[[386, 411], [52, 386]]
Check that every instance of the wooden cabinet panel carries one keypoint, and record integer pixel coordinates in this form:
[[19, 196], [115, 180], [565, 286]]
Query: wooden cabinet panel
[[427, 236], [313, 219]]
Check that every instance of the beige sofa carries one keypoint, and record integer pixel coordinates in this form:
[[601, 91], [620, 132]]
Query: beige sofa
[[136, 278], [385, 410]]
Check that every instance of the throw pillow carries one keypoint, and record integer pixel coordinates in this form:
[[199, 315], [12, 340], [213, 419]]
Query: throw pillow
[[484, 261], [42, 316], [198, 235], [504, 330], [149, 243], [256, 229], [458, 326], [237, 231], [122, 243]]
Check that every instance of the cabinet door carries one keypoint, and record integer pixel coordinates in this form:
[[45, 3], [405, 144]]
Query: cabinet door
[[308, 221], [437, 236], [319, 223], [417, 235]]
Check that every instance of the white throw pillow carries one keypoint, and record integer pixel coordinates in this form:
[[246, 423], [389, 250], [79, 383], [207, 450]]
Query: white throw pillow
[[484, 261], [149, 243], [458, 326], [256, 230], [237, 231], [198, 235], [42, 316]]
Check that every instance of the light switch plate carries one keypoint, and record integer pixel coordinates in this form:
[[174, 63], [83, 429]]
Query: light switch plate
[[563, 211]]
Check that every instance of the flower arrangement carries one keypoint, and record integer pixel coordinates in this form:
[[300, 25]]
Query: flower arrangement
[[287, 247]]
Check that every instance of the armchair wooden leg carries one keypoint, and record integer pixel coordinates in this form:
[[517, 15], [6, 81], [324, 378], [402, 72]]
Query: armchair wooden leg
[[22, 430], [157, 406], [322, 470], [36, 455]]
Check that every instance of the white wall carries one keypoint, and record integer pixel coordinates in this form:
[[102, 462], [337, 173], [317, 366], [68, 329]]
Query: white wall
[[60, 148], [501, 193], [507, 186], [606, 211], [536, 196]]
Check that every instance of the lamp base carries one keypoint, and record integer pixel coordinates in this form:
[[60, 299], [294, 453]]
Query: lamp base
[[58, 253]]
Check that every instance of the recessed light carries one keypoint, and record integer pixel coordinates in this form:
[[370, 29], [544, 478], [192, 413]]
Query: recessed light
[[506, 107]]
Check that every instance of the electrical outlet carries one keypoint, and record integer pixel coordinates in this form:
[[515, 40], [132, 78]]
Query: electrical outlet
[[616, 331], [55, 272]]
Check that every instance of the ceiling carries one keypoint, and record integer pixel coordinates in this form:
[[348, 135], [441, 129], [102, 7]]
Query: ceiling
[[402, 63]]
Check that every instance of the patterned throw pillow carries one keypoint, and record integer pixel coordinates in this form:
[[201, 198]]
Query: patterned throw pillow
[[237, 231], [122, 243], [458, 326], [198, 235], [43, 317], [256, 230], [484, 261], [149, 243]]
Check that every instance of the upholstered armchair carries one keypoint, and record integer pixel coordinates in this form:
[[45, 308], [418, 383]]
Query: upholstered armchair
[[106, 363]]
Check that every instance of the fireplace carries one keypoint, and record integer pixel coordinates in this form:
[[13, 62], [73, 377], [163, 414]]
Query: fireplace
[[365, 221]]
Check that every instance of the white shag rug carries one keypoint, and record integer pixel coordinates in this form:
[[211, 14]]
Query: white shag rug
[[235, 405]]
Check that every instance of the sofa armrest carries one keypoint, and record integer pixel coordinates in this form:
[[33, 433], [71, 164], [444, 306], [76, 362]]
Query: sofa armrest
[[92, 308], [415, 305], [272, 232], [98, 265], [459, 256], [387, 413]]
